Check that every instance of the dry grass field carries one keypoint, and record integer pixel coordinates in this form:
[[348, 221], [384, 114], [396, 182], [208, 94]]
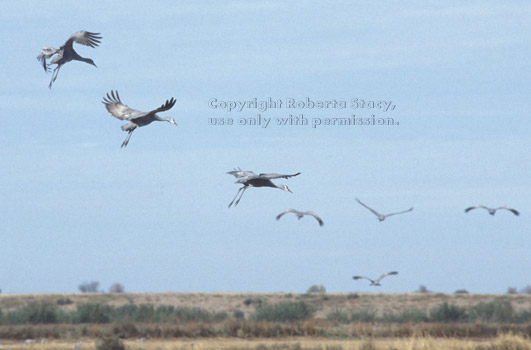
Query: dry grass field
[[504, 342], [317, 332]]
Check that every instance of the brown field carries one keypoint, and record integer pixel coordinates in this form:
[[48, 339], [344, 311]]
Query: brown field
[[504, 342]]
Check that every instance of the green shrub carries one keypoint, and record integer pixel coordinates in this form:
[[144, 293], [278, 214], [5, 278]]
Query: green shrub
[[338, 316], [283, 311], [92, 313], [316, 289], [238, 314], [498, 310], [448, 313], [461, 291], [363, 316], [406, 316], [34, 313]]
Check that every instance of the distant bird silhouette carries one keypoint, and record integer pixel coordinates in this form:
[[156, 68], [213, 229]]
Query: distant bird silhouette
[[300, 214], [376, 282], [250, 179], [66, 53], [492, 211], [380, 216], [136, 118]]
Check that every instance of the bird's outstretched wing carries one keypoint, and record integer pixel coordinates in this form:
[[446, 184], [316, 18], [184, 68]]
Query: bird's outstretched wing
[[275, 176], [45, 53], [118, 109], [372, 210], [84, 38], [514, 211], [387, 274], [311, 213], [168, 105], [475, 207], [285, 212], [400, 212], [238, 173], [360, 277]]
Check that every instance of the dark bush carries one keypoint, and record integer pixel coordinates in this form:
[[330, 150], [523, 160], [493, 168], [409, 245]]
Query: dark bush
[[117, 288], [338, 316], [316, 289], [64, 301], [499, 310], [448, 313], [238, 314], [34, 313], [363, 316], [284, 311], [92, 313], [406, 316], [89, 287]]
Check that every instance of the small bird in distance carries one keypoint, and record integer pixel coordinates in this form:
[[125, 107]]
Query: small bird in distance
[[492, 211], [300, 214], [66, 53], [135, 118], [382, 217], [376, 282]]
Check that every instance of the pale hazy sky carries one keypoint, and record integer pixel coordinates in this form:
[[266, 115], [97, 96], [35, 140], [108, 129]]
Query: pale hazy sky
[[75, 207]]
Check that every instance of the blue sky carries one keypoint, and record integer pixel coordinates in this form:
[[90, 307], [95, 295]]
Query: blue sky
[[153, 216]]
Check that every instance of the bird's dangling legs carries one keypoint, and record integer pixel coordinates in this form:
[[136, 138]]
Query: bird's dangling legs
[[54, 75], [241, 195], [241, 188], [126, 141]]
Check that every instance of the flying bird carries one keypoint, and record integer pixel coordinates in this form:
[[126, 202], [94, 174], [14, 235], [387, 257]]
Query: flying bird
[[300, 214], [376, 282], [380, 216], [136, 118], [492, 211], [250, 179], [66, 53]]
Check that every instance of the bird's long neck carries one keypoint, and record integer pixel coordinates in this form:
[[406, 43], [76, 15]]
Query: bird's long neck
[[161, 119], [82, 59]]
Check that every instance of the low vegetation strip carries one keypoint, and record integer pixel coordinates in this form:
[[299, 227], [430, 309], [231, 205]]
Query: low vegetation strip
[[296, 317], [499, 310]]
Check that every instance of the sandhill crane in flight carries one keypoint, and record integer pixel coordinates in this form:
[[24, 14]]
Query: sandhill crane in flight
[[380, 216], [136, 118], [300, 214], [492, 211], [66, 53], [376, 282], [250, 179]]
